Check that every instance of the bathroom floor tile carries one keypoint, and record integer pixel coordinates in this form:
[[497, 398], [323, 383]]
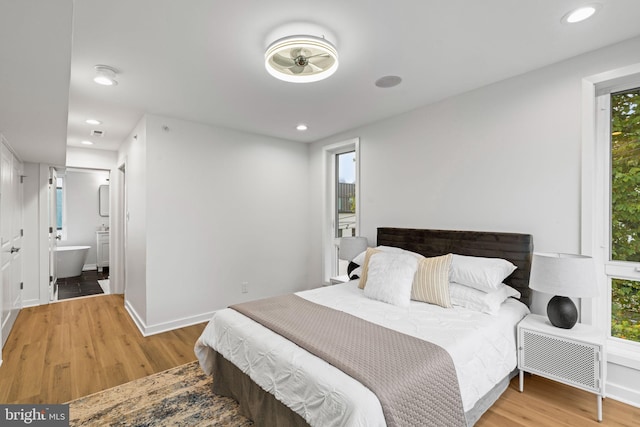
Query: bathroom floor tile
[[83, 285]]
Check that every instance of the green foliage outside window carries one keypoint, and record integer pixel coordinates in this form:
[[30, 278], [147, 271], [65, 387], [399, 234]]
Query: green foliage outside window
[[625, 210], [625, 318]]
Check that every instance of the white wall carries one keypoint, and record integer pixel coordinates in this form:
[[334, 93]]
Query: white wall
[[222, 207], [133, 265], [81, 205], [78, 157], [506, 157]]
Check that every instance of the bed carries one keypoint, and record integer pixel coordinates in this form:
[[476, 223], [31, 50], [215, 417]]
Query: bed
[[280, 383]]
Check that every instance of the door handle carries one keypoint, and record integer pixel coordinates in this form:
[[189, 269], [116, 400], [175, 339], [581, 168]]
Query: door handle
[[58, 237], [14, 249]]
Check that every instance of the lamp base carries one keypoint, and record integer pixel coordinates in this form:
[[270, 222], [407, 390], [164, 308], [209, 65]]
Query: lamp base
[[562, 312]]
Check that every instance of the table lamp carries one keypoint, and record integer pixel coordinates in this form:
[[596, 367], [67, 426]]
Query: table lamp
[[564, 276], [350, 247]]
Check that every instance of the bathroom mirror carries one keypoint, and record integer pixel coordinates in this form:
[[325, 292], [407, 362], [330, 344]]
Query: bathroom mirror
[[103, 200]]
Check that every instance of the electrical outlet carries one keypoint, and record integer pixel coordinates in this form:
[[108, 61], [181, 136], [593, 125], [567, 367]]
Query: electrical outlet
[[245, 287]]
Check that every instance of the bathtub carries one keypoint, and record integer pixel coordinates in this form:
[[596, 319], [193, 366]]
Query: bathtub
[[70, 260]]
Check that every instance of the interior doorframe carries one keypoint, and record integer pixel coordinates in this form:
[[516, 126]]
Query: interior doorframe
[[118, 248], [52, 240], [43, 237]]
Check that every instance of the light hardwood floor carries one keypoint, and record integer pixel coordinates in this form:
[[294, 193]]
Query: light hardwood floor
[[546, 403], [62, 351]]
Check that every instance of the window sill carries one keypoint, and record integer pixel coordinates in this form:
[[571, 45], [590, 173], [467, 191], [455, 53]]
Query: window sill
[[624, 354]]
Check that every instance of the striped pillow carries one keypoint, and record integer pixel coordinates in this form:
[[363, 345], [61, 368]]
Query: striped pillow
[[365, 267], [431, 282]]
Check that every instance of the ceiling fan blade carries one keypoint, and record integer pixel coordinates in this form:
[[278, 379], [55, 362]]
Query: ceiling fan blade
[[299, 51], [297, 69], [312, 68], [283, 61], [322, 62]]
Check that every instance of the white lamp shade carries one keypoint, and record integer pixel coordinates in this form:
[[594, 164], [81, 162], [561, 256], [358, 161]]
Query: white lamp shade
[[564, 275], [350, 247]]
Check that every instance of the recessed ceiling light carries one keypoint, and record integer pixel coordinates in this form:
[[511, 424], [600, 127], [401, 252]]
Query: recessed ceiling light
[[301, 59], [105, 75], [581, 13], [388, 81], [302, 127], [86, 142], [93, 122]]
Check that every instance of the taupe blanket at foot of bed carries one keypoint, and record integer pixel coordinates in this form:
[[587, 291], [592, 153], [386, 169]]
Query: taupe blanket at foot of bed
[[414, 380]]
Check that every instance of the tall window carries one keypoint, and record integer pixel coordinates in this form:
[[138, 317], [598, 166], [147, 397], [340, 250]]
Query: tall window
[[345, 192], [59, 204], [341, 202], [624, 225]]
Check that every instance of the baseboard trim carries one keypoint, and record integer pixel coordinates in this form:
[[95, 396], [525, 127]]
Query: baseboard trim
[[148, 330], [178, 323], [623, 394], [135, 317], [88, 267], [31, 303]]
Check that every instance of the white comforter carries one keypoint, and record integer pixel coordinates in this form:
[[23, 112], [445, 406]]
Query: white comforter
[[483, 349]]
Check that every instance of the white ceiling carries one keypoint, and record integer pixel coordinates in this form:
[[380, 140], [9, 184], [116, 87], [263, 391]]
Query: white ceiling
[[35, 53], [203, 60]]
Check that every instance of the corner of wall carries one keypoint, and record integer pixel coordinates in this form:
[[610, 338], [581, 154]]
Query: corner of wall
[[148, 330]]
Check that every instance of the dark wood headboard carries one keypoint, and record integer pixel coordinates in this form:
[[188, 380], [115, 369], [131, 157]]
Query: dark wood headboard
[[514, 247]]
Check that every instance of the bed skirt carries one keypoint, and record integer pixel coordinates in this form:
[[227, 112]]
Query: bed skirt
[[256, 404], [264, 409]]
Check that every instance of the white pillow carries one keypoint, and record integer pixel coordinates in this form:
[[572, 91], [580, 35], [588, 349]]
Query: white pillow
[[359, 259], [378, 249], [483, 302], [390, 276], [484, 274]]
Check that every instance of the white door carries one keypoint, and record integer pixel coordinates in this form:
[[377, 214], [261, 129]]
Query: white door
[[10, 239], [53, 232]]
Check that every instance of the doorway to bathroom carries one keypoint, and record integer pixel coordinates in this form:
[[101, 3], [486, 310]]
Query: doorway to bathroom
[[82, 232]]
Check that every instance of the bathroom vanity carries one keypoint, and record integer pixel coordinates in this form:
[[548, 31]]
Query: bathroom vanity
[[102, 249]]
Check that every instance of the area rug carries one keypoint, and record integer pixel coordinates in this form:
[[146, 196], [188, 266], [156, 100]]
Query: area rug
[[180, 396]]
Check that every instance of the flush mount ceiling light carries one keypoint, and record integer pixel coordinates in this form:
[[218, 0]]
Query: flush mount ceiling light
[[302, 127], [580, 14], [301, 59], [86, 142], [93, 122], [105, 75]]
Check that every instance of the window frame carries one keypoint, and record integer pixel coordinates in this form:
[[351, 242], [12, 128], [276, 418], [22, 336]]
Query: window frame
[[336, 185], [595, 210], [330, 242], [62, 232]]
